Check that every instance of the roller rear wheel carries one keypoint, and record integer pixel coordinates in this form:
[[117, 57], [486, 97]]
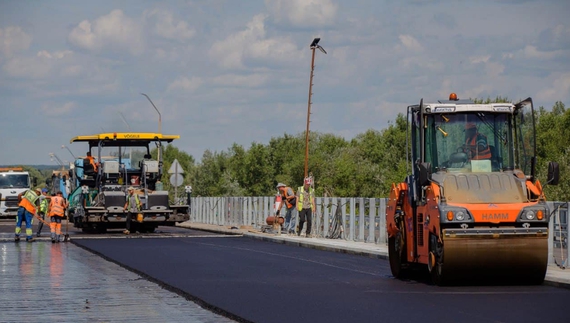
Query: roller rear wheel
[[396, 256]]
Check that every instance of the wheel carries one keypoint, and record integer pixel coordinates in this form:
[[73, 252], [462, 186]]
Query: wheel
[[396, 248], [435, 262]]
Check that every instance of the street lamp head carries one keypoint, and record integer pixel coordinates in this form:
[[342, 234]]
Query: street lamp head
[[315, 42]]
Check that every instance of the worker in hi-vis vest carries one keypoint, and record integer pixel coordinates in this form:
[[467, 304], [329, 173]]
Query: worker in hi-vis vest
[[57, 207], [306, 206], [26, 211]]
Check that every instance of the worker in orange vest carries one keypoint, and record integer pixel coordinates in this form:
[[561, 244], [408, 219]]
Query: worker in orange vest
[[290, 200], [92, 161], [57, 207], [26, 211], [476, 145]]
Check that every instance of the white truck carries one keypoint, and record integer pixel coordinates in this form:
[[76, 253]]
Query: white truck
[[13, 181]]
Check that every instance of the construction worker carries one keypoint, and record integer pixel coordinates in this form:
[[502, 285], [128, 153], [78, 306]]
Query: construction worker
[[26, 211], [44, 204], [476, 145], [92, 161], [289, 199], [132, 206], [306, 206], [57, 207]]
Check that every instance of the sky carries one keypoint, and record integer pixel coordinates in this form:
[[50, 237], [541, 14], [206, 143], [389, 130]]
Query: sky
[[225, 72]]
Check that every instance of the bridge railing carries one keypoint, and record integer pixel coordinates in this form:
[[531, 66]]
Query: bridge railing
[[352, 219]]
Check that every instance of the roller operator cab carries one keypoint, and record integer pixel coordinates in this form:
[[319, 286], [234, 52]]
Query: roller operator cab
[[120, 161], [472, 207]]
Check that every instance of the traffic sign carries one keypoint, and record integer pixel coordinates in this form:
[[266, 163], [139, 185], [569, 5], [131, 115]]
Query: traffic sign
[[176, 180], [175, 168]]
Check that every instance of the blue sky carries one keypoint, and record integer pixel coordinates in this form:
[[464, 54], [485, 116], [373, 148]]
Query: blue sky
[[224, 72]]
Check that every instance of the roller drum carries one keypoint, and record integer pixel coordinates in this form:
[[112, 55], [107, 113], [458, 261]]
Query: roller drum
[[495, 255]]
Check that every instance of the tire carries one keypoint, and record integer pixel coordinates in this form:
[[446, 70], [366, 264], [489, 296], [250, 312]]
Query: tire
[[396, 248], [436, 272]]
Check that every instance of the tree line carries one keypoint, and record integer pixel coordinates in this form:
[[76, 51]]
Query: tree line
[[365, 166]]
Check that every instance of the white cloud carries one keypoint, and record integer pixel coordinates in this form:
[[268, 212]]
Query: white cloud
[[303, 13], [252, 43], [114, 31], [230, 51], [253, 80], [13, 40], [410, 42], [479, 59], [185, 84], [559, 89], [166, 26], [52, 109], [532, 52], [36, 67]]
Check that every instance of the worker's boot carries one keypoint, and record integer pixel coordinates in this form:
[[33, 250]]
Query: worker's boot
[[58, 239], [17, 239]]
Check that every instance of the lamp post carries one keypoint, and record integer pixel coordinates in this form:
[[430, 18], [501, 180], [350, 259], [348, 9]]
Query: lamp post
[[159, 124], [159, 116], [64, 146], [314, 45]]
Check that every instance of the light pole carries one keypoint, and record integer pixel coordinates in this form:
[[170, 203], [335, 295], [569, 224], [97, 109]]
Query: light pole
[[159, 125], [159, 116], [314, 45], [64, 146]]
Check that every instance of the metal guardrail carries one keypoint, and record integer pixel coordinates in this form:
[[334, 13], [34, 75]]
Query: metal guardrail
[[558, 233], [358, 219], [352, 219]]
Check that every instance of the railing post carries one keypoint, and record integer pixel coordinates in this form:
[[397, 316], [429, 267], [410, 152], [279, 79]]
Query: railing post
[[382, 238], [326, 219], [551, 233], [343, 210], [371, 220], [361, 219], [352, 235], [566, 239], [317, 218]]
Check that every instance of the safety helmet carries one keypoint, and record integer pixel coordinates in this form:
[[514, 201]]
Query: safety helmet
[[470, 125]]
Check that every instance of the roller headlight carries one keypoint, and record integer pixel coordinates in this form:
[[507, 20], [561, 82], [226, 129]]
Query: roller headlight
[[529, 215], [460, 216]]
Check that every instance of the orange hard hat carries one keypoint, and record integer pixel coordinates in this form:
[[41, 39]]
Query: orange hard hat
[[470, 125]]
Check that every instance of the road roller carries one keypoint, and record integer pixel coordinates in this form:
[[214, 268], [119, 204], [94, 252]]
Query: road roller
[[471, 207]]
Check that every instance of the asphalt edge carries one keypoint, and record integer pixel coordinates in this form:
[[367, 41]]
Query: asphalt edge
[[316, 245]]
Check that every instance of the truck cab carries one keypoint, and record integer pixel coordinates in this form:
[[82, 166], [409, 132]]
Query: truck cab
[[13, 181]]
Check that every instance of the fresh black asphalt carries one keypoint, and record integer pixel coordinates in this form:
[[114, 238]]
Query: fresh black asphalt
[[258, 281]]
